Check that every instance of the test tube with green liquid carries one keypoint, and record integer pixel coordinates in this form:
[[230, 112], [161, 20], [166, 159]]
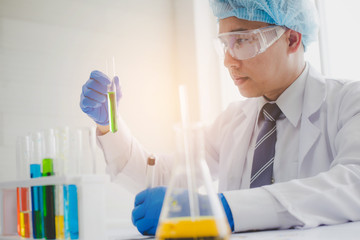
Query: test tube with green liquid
[[49, 201], [111, 97]]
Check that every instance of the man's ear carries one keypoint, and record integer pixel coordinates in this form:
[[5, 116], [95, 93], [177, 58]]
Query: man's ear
[[294, 40]]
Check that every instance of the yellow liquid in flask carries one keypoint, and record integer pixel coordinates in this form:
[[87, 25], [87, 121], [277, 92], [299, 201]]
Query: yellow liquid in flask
[[202, 228]]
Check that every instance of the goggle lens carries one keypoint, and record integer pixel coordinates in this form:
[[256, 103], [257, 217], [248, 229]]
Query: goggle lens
[[248, 44]]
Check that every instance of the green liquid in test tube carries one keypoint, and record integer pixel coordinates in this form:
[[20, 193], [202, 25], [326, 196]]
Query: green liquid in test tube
[[49, 201], [112, 111], [111, 96]]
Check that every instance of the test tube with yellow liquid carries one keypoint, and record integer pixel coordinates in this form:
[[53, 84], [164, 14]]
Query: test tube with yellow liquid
[[191, 209], [111, 97]]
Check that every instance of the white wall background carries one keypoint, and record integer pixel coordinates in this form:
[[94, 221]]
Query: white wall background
[[48, 49]]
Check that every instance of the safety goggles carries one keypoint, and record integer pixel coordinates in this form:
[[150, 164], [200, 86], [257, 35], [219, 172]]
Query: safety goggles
[[247, 44]]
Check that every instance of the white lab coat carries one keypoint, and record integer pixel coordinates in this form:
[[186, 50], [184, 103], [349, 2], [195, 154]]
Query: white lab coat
[[327, 187]]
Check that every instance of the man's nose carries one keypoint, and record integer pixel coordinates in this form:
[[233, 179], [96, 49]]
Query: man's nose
[[230, 61]]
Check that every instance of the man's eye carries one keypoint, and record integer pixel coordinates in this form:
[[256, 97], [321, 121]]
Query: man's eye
[[241, 41]]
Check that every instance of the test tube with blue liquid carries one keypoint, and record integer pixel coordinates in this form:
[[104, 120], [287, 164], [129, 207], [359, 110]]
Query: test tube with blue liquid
[[36, 203], [75, 166], [111, 97], [36, 191]]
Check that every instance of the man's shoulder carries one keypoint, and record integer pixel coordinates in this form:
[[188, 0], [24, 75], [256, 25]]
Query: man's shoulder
[[341, 86], [331, 85], [240, 104], [240, 107], [237, 111]]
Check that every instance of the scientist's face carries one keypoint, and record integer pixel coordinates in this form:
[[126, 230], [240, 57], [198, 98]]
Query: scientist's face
[[264, 74]]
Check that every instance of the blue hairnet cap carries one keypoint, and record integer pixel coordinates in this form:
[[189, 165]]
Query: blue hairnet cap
[[298, 15]]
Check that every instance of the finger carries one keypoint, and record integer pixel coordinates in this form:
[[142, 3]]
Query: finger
[[138, 213], [100, 77], [87, 109], [118, 88], [101, 116], [93, 95], [144, 225], [150, 231], [89, 103], [96, 86], [140, 197]]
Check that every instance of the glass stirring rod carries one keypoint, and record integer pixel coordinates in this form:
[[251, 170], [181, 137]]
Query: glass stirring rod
[[111, 95]]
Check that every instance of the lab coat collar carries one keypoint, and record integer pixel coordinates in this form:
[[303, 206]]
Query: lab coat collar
[[248, 109], [291, 100], [303, 97], [315, 92], [314, 97]]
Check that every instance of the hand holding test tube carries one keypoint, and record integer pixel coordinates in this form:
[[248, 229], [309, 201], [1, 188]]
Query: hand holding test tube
[[94, 98]]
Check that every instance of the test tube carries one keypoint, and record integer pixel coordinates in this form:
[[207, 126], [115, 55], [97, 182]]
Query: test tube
[[49, 190], [23, 201], [36, 191], [24, 213], [75, 167], [36, 203], [150, 169], [73, 211], [111, 96], [49, 201], [62, 154]]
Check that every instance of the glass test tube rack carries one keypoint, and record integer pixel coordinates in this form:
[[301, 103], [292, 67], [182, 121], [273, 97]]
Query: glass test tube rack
[[91, 204]]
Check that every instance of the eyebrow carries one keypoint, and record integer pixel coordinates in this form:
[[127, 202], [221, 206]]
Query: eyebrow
[[236, 30], [239, 29]]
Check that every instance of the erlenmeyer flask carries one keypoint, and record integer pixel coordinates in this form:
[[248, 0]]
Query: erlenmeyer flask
[[191, 208]]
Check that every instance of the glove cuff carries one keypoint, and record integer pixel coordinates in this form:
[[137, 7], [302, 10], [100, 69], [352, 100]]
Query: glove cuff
[[102, 123], [227, 210]]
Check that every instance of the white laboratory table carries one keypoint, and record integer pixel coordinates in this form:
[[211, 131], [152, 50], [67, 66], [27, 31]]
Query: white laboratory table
[[347, 231]]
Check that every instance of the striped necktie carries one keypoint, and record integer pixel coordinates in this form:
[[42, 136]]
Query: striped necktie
[[262, 168]]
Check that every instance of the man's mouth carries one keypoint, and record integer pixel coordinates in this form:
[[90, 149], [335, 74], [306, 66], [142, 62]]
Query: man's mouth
[[240, 80]]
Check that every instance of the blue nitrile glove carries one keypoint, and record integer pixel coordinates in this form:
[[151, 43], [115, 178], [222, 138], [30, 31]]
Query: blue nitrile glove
[[93, 99], [148, 204], [227, 210]]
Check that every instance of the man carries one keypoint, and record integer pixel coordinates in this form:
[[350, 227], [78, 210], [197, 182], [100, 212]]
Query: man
[[285, 157]]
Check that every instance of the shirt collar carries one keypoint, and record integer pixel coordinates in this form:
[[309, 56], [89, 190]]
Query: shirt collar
[[291, 100]]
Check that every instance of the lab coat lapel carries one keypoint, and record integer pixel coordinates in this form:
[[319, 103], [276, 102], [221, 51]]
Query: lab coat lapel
[[314, 96], [241, 136]]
